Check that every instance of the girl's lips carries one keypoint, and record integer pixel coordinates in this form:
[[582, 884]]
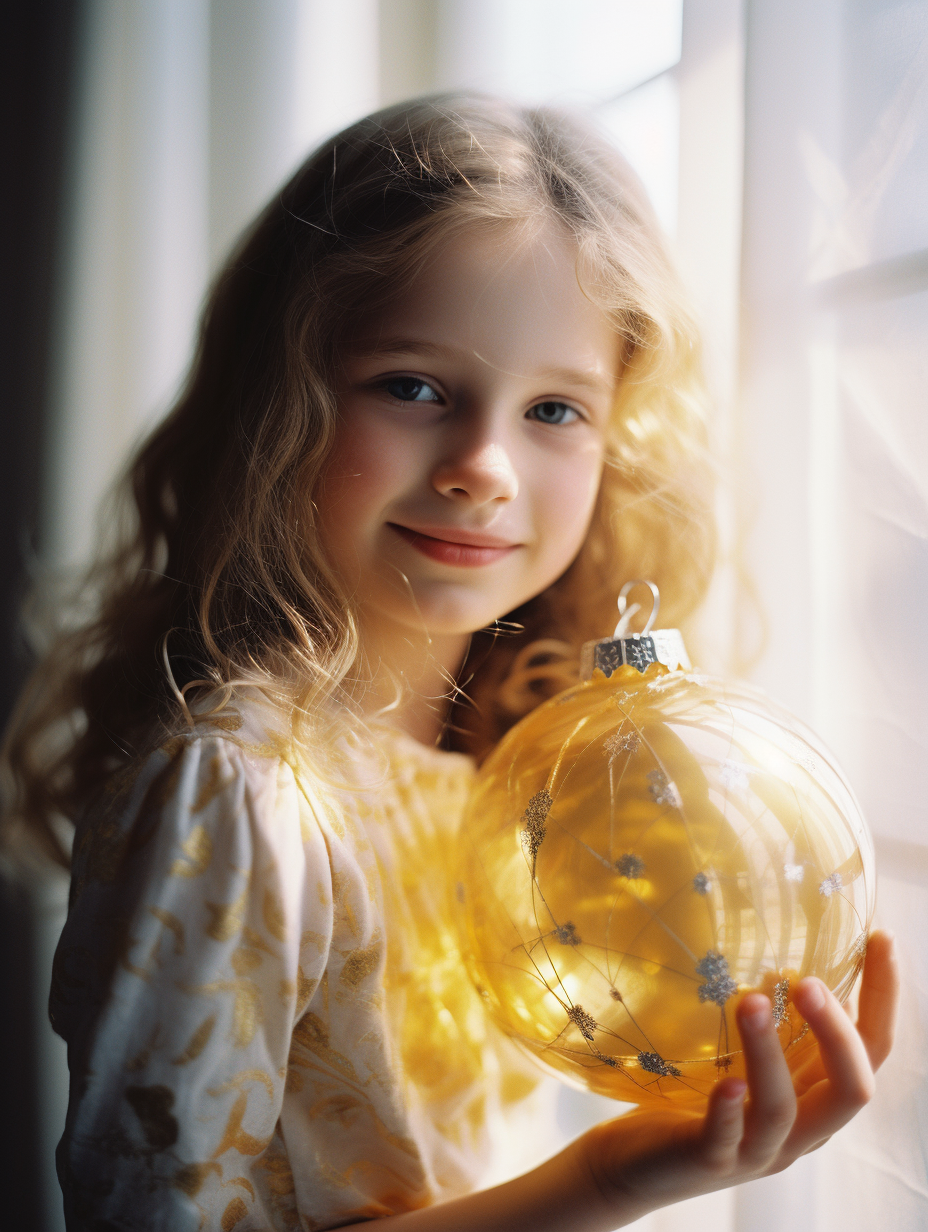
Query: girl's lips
[[453, 552]]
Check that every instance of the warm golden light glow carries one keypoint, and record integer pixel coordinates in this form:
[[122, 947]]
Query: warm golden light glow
[[639, 853]]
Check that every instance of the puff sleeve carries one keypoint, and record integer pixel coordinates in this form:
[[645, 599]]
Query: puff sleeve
[[199, 931]]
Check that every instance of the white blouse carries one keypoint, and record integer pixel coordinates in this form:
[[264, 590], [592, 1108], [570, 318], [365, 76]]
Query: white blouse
[[268, 1022]]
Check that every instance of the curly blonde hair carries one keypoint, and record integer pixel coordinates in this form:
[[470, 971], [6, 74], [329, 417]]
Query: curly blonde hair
[[217, 574]]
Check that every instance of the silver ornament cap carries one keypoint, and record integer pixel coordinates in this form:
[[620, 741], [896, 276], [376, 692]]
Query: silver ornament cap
[[637, 650]]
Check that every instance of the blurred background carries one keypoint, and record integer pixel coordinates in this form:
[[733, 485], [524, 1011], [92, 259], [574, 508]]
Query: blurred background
[[785, 146]]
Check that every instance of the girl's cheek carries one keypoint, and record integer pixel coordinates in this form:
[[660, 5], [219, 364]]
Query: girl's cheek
[[366, 463], [566, 500]]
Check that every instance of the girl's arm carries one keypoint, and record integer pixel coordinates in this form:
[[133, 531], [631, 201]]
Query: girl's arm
[[196, 933], [650, 1158]]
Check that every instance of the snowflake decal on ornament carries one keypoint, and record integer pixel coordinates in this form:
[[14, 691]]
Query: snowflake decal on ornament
[[567, 934], [801, 754], [607, 1060], [584, 1022], [701, 883], [831, 885], [630, 866], [719, 985], [655, 1064], [662, 790], [622, 742], [733, 776]]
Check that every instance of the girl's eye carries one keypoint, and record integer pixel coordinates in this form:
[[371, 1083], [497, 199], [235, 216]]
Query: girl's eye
[[410, 389], [553, 413]]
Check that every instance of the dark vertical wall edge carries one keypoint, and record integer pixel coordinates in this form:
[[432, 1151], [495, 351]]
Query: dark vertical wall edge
[[37, 90]]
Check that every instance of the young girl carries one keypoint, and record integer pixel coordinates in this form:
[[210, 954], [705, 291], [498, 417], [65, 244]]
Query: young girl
[[445, 389]]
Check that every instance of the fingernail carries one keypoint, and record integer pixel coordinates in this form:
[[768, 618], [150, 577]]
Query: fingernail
[[813, 995], [758, 1018], [736, 1090]]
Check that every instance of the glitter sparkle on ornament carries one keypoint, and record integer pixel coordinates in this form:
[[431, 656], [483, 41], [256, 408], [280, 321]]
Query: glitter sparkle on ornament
[[612, 1062], [630, 866], [655, 1064], [533, 822], [779, 1002], [701, 883], [793, 872], [831, 885], [584, 1022], [719, 985], [662, 790]]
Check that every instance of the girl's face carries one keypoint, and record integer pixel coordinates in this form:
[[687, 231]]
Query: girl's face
[[470, 444]]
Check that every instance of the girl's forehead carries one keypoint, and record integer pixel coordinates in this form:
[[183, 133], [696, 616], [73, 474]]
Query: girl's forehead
[[495, 292]]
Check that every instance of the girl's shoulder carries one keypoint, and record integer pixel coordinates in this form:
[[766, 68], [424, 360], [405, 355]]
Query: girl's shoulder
[[230, 781]]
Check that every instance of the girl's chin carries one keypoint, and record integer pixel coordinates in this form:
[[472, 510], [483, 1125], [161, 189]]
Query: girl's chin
[[442, 620]]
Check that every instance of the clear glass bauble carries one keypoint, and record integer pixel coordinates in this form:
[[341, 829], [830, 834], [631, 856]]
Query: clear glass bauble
[[641, 851]]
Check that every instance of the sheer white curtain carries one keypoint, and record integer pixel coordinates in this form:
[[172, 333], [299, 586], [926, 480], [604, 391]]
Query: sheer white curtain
[[193, 110], [834, 445]]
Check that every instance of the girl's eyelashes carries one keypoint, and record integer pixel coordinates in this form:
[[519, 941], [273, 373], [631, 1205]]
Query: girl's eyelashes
[[553, 413], [410, 389], [415, 389]]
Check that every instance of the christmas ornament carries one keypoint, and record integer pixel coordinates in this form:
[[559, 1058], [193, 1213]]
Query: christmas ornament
[[640, 852]]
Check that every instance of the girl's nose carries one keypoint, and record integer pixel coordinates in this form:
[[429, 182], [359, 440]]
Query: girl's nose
[[481, 476]]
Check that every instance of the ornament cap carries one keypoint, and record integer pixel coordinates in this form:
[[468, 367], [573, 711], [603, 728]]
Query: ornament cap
[[639, 650]]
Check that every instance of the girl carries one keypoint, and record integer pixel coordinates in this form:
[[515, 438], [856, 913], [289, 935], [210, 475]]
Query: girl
[[446, 379]]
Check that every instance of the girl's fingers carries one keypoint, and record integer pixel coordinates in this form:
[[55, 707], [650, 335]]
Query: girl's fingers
[[879, 997], [843, 1054], [804, 1062], [848, 1082], [821, 1114], [807, 1076], [723, 1126], [772, 1108]]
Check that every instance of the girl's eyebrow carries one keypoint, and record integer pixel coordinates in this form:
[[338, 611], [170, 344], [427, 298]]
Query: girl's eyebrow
[[370, 348], [587, 378]]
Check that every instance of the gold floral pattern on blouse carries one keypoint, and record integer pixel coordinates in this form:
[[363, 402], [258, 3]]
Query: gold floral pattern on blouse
[[269, 1025]]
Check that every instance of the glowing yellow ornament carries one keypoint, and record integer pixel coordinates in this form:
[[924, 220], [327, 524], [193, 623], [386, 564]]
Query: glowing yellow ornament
[[640, 852]]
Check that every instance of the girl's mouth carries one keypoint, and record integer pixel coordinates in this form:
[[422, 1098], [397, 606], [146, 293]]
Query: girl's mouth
[[482, 550]]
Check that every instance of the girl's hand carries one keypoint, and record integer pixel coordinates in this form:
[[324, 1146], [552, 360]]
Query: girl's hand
[[625, 1168], [652, 1157]]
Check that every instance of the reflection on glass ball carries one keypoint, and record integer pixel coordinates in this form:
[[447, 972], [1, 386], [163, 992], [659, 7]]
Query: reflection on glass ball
[[639, 853]]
